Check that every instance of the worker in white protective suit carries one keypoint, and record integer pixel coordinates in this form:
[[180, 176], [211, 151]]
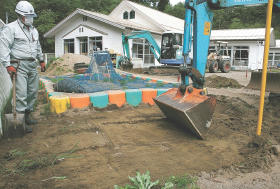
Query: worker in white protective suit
[[19, 41]]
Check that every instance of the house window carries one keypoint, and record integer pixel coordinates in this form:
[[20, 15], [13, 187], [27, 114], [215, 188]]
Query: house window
[[132, 14], [241, 56], [95, 43], [125, 15], [141, 49], [137, 48], [148, 54], [68, 46], [273, 59], [84, 18], [211, 49], [81, 29], [84, 45]]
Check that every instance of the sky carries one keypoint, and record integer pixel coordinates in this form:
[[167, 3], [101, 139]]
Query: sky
[[174, 2]]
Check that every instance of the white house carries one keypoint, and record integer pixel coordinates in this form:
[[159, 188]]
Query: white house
[[245, 46], [1, 23], [83, 31], [274, 55]]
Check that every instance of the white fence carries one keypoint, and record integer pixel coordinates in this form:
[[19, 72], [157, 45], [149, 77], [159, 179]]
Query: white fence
[[5, 90]]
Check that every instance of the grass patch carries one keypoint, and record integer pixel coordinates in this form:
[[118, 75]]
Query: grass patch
[[55, 80], [159, 84], [143, 181], [183, 182], [28, 164], [13, 154], [123, 82], [274, 70], [46, 109], [52, 60]]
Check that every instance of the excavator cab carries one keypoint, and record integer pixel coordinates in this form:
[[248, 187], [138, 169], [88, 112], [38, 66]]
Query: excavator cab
[[172, 48]]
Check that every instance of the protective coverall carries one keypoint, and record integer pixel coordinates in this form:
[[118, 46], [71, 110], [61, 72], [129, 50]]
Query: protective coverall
[[19, 42]]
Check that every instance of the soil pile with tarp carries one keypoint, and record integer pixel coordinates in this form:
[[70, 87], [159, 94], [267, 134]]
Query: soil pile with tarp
[[101, 76], [215, 81], [65, 64]]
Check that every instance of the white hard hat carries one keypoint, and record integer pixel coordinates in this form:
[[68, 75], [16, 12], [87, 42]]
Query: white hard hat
[[25, 8]]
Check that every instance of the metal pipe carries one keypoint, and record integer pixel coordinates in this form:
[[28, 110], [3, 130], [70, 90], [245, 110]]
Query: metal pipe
[[265, 60]]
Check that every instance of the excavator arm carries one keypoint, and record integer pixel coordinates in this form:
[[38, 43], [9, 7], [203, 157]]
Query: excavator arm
[[140, 34], [189, 106]]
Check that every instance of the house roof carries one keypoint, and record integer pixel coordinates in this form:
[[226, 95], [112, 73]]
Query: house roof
[[122, 24], [240, 34], [165, 21], [94, 15], [1, 23]]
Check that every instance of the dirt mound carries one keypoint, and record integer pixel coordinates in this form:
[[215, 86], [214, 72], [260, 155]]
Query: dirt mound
[[241, 117], [65, 64], [215, 81], [161, 71]]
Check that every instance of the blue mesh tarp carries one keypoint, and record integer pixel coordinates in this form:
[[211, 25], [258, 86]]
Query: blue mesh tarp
[[101, 76]]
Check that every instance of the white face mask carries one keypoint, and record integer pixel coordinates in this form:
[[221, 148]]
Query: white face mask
[[28, 21]]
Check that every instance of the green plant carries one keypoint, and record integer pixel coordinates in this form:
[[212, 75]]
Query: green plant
[[68, 154], [183, 182], [47, 109], [140, 182], [52, 60], [28, 164], [160, 84], [123, 82], [55, 80], [13, 154]]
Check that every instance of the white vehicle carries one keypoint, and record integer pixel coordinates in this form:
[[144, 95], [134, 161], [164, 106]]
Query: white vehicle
[[220, 59]]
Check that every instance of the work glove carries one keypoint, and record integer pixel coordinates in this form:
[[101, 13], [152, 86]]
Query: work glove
[[43, 66], [11, 70]]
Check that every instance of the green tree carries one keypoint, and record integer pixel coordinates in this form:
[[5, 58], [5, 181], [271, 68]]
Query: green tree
[[162, 4]]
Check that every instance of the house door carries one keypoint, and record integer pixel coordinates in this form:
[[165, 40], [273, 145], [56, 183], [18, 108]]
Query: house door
[[141, 49], [95, 43], [83, 45]]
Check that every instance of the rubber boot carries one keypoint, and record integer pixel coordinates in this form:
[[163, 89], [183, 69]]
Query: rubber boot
[[28, 119]]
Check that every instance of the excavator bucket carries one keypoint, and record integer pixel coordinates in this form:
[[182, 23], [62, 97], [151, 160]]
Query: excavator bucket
[[272, 81], [192, 110]]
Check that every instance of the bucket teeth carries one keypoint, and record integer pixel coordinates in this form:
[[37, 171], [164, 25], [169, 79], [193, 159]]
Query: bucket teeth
[[193, 110]]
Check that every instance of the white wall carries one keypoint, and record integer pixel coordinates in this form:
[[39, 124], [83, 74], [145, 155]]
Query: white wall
[[255, 54], [158, 41], [5, 91], [139, 18], [111, 38]]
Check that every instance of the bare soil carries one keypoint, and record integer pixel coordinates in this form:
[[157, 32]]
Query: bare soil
[[65, 64], [216, 81], [91, 148]]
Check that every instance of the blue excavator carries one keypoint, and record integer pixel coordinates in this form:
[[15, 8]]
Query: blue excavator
[[170, 52], [189, 106], [125, 61]]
